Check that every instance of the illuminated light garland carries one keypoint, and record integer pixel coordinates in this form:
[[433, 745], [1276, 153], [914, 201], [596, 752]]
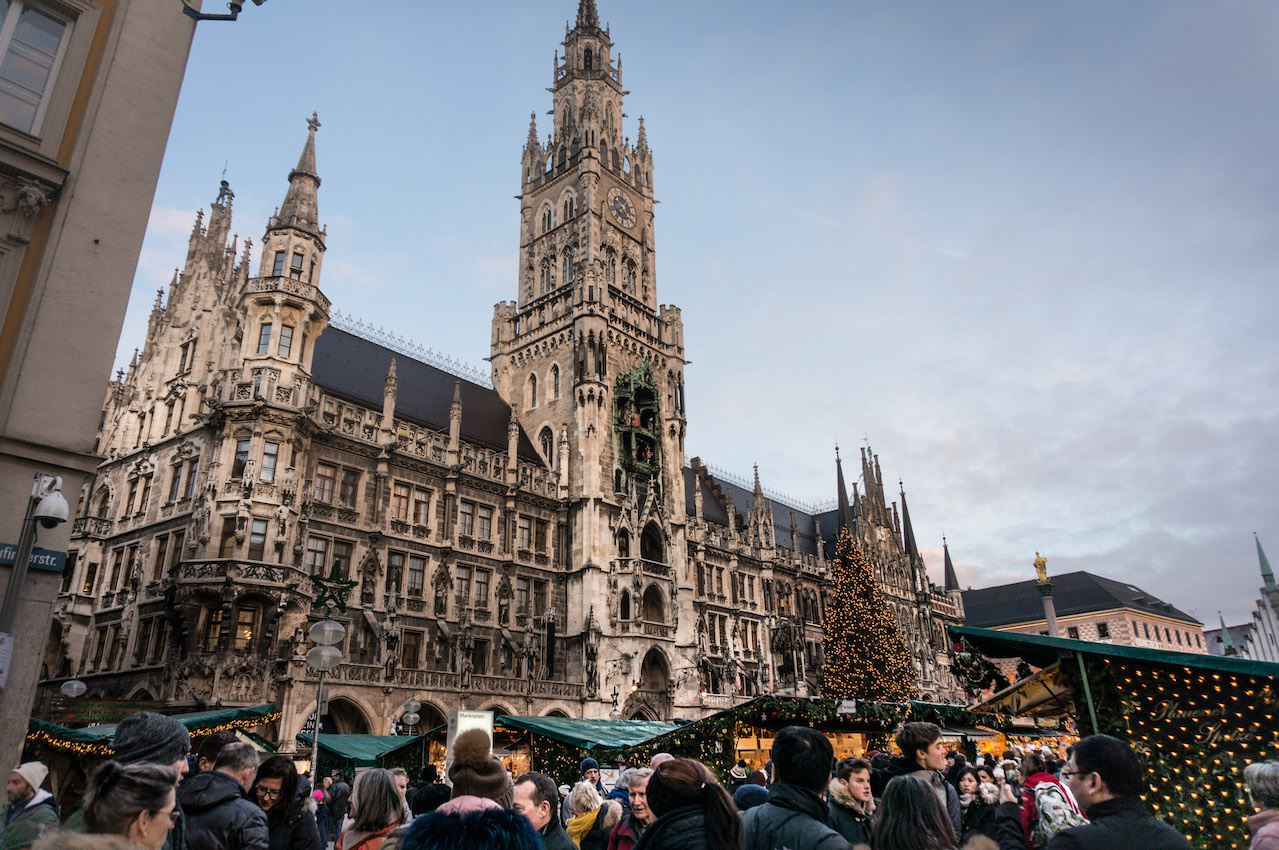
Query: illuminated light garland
[[102, 748]]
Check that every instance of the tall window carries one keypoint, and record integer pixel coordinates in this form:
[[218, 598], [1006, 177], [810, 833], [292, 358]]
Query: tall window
[[539, 597], [264, 339], [421, 506], [161, 556], [521, 596], [90, 580], [213, 631], [246, 626], [241, 458], [532, 390], [555, 381], [270, 453], [411, 649], [133, 495], [226, 548], [317, 555], [540, 534], [33, 43], [145, 499], [350, 488], [117, 565], [466, 518], [342, 556], [524, 533], [483, 522], [175, 550], [325, 478], [175, 483], [570, 271], [192, 468], [417, 575], [394, 572], [295, 267], [257, 540], [285, 346], [546, 275], [481, 597], [144, 640], [278, 268], [400, 496], [462, 588], [547, 441]]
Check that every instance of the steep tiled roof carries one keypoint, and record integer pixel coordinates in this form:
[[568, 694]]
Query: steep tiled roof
[[714, 512], [1073, 593], [355, 368], [1239, 634]]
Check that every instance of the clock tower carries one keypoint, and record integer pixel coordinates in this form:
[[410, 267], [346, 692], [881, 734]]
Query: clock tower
[[593, 368]]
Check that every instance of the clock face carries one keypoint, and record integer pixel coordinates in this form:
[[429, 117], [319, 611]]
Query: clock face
[[621, 207]]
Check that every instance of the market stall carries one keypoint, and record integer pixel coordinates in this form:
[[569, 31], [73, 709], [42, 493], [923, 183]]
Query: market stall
[[354, 753], [557, 745], [1196, 720]]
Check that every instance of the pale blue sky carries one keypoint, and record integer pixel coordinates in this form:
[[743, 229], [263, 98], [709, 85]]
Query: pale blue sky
[[1028, 249]]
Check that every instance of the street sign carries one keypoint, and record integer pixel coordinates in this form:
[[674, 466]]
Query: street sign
[[461, 721], [41, 559], [104, 710]]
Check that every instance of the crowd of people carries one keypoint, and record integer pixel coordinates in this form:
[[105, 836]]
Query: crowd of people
[[155, 794]]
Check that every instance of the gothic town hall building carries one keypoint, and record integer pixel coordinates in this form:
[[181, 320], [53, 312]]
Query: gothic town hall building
[[537, 546]]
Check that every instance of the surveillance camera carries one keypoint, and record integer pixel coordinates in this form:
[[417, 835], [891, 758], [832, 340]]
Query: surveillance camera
[[52, 510]]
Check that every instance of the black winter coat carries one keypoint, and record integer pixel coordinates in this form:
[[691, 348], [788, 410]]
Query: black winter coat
[[218, 817], [846, 816], [298, 831], [1120, 823], [681, 829], [793, 818]]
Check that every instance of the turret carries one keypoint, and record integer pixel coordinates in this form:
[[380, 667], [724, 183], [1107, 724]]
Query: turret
[[841, 496]]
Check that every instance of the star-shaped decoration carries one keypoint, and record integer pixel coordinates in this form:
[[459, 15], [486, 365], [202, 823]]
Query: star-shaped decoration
[[331, 592]]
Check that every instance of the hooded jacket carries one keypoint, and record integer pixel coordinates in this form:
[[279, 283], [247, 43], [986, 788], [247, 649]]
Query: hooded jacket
[[218, 817], [946, 793], [25, 822], [848, 817], [793, 818]]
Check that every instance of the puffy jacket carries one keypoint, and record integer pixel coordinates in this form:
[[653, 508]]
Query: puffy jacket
[[218, 817], [1264, 826], [946, 793], [25, 822], [491, 829], [680, 829], [847, 816], [793, 818], [298, 831], [1122, 822]]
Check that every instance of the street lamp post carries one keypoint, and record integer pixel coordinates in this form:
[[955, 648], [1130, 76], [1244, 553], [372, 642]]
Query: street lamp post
[[323, 657]]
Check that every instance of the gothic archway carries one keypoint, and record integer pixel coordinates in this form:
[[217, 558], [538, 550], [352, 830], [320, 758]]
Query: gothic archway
[[652, 544], [655, 672], [654, 610], [344, 717]]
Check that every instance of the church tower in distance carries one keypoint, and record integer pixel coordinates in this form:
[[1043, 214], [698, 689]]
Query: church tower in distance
[[592, 366]]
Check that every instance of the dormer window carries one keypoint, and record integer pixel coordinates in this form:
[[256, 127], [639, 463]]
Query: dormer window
[[295, 268]]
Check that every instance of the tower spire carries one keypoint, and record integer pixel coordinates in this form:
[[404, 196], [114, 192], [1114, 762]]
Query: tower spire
[[1227, 643], [845, 515], [1267, 575], [952, 581], [301, 208], [908, 533], [587, 16]]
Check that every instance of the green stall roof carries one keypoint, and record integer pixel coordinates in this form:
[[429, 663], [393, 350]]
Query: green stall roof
[[200, 721], [363, 750], [1042, 650], [588, 734]]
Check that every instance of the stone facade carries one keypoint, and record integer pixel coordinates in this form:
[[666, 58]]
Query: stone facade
[[536, 547]]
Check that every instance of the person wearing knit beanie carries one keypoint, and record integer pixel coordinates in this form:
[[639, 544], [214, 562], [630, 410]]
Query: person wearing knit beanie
[[476, 772], [31, 811], [145, 736]]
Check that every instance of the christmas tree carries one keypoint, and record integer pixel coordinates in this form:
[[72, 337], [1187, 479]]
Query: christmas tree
[[866, 657]]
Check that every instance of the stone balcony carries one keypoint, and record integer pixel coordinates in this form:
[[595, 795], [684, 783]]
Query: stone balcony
[[292, 287], [241, 573], [92, 527]]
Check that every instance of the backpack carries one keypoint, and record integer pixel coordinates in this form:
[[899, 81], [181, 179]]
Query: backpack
[[1054, 813]]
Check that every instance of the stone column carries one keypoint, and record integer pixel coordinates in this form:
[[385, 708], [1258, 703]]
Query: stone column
[[1050, 611]]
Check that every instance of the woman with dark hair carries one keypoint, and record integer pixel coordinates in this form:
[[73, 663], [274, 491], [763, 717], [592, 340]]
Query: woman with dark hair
[[911, 818], [290, 823], [135, 801], [376, 809], [692, 810]]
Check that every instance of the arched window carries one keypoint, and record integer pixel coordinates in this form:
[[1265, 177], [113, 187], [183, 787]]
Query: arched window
[[604, 151], [630, 277], [610, 268], [563, 155], [568, 209], [623, 543], [624, 608], [654, 608], [568, 270], [555, 381], [546, 219], [546, 276], [547, 442], [589, 58], [652, 546], [531, 401]]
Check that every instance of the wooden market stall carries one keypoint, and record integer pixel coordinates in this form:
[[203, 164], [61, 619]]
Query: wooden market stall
[[557, 745], [1195, 720]]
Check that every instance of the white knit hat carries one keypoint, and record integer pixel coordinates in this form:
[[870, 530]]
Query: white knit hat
[[33, 772]]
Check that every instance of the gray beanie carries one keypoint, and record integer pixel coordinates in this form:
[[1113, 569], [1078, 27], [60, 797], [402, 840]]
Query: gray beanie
[[147, 737]]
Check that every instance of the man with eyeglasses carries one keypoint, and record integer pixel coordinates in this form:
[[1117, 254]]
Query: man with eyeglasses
[[1107, 779], [217, 815]]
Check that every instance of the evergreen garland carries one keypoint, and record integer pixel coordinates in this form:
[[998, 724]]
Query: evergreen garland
[[866, 657]]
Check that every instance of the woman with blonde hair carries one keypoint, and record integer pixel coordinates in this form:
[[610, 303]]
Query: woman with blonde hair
[[376, 809], [593, 817]]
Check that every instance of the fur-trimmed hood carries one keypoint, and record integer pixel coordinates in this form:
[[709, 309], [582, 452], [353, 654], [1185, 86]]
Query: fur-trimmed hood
[[841, 796]]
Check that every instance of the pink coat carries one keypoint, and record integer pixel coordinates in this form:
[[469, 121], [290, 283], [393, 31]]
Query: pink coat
[[1265, 829]]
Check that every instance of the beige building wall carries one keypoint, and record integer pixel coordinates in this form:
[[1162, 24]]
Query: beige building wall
[[1123, 626], [74, 200]]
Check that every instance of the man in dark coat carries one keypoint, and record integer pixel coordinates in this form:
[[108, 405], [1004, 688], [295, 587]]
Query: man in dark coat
[[1107, 779], [795, 816], [536, 797], [924, 757], [213, 804], [339, 797], [31, 811]]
